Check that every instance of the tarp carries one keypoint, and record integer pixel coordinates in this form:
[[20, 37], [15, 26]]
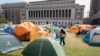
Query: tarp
[[93, 37], [44, 47], [9, 43]]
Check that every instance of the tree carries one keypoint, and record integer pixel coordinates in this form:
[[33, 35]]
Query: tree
[[3, 20]]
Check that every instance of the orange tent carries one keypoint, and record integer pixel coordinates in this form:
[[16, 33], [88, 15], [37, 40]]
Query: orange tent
[[20, 30], [28, 31], [85, 27], [88, 26], [82, 27], [73, 29]]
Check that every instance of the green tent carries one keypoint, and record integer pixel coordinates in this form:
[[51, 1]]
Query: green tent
[[9, 43], [43, 47]]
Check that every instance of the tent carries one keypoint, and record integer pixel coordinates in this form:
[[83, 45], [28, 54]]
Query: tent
[[73, 29], [8, 43], [28, 31], [93, 37], [9, 30], [84, 32], [24, 30], [85, 27], [43, 47]]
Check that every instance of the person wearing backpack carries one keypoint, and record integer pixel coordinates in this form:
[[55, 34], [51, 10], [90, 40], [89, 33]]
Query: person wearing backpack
[[62, 37]]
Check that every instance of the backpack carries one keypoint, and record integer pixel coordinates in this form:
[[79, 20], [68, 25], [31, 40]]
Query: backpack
[[62, 34]]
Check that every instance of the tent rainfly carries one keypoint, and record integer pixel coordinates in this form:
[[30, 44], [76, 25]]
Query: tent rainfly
[[43, 47], [8, 43], [93, 37]]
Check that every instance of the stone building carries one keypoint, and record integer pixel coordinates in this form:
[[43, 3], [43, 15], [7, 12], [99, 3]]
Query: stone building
[[64, 12]]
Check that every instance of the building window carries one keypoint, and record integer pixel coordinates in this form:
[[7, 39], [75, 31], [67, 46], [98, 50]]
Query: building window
[[47, 13], [59, 13], [63, 13], [78, 13], [33, 13], [36, 14], [50, 13], [44, 13], [41, 13], [53, 13], [81, 9], [56, 13], [66, 11], [29, 14], [69, 12]]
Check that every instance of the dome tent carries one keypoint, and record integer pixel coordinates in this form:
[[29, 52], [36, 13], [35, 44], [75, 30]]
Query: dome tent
[[93, 37], [73, 29], [43, 47], [84, 32], [8, 43], [9, 30], [27, 31]]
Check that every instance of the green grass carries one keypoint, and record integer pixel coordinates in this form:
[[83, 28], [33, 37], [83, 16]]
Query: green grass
[[74, 47]]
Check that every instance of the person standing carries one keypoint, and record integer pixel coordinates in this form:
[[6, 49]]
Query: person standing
[[62, 37]]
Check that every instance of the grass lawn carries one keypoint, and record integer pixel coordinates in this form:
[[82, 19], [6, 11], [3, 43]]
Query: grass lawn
[[74, 47]]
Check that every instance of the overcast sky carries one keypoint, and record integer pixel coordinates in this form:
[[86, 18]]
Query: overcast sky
[[82, 2]]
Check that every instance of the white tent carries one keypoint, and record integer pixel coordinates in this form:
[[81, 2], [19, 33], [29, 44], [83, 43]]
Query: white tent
[[93, 37]]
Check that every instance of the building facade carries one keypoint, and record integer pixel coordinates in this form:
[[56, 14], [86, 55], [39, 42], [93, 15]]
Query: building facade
[[95, 12], [94, 6], [64, 12], [2, 13], [12, 11]]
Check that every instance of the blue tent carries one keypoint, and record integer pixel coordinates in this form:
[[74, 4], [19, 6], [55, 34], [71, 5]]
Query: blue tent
[[9, 30], [93, 37], [84, 32]]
